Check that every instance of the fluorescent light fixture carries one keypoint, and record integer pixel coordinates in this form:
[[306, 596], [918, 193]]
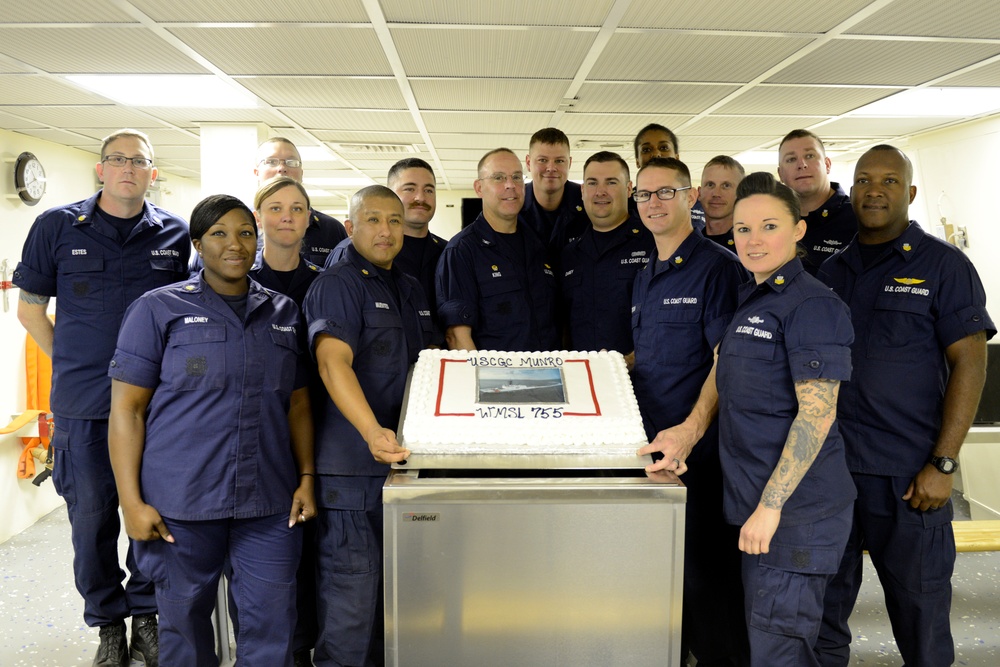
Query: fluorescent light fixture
[[943, 102], [167, 90], [313, 192], [316, 154], [343, 182], [758, 157]]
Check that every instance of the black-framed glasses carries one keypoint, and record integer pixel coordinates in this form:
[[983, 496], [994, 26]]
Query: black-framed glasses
[[663, 194], [120, 161], [274, 162], [501, 179]]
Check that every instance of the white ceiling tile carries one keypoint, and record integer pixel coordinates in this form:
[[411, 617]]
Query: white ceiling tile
[[879, 127], [326, 91], [64, 11], [489, 12], [327, 11], [987, 75], [881, 62], [723, 126], [658, 57], [803, 100], [252, 50], [348, 119], [931, 18], [615, 125], [495, 94], [510, 54], [485, 122], [648, 97], [108, 116], [31, 89], [773, 16]]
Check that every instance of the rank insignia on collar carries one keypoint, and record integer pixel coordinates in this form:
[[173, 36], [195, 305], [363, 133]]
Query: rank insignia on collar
[[189, 288], [364, 271], [547, 266], [579, 208], [825, 213], [82, 218], [495, 267], [678, 259], [635, 231], [780, 280], [907, 247]]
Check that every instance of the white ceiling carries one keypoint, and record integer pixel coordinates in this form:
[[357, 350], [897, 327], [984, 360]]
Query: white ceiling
[[450, 79]]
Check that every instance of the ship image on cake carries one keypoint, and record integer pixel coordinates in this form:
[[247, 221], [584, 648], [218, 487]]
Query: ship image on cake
[[520, 385]]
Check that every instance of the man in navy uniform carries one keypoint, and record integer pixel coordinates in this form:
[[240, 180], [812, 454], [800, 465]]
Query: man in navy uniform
[[278, 156], [830, 223], [97, 256], [367, 323], [717, 195], [919, 357], [553, 205], [682, 302], [495, 287], [598, 269]]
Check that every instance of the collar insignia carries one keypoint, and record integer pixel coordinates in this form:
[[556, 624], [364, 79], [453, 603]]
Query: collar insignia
[[780, 280]]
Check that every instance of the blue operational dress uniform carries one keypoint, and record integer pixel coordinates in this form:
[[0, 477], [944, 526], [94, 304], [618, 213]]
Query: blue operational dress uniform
[[597, 272], [680, 309], [293, 284], [788, 329], [418, 258], [322, 236], [725, 239], [217, 462], [352, 302], [75, 254], [508, 299], [913, 301], [828, 229], [555, 228]]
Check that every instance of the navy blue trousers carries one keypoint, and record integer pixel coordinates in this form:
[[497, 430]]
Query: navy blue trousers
[[264, 553], [784, 590], [350, 619], [914, 555], [83, 477]]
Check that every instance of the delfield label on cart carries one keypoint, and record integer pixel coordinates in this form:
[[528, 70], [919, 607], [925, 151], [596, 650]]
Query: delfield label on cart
[[421, 517]]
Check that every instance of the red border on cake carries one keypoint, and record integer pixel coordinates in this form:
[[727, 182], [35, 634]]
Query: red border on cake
[[593, 392], [590, 382], [437, 406]]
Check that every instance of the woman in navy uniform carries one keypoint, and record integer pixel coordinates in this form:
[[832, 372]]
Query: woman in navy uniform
[[281, 207], [211, 443], [785, 477]]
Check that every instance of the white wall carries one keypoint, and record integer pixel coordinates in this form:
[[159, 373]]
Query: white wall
[[71, 177]]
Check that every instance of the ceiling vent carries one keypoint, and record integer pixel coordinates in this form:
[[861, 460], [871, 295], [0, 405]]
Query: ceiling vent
[[378, 149]]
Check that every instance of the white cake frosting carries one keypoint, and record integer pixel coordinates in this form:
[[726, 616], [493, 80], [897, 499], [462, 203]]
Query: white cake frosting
[[521, 403]]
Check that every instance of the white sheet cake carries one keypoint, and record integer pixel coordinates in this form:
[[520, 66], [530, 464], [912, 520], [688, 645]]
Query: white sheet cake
[[521, 403]]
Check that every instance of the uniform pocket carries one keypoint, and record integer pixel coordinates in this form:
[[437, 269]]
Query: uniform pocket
[[900, 329], [381, 342], [198, 357], [345, 539], [85, 278], [286, 351]]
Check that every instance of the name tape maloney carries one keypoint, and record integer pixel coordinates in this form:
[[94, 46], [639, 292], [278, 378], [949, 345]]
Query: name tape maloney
[[420, 516]]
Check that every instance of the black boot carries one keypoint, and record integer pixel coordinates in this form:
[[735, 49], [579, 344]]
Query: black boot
[[113, 651], [145, 640]]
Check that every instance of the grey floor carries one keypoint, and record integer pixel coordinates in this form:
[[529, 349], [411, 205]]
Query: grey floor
[[41, 623]]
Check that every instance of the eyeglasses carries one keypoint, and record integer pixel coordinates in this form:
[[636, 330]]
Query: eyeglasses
[[501, 179], [663, 194], [274, 163], [120, 160]]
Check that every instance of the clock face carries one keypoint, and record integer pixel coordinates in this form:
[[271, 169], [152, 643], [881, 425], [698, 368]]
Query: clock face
[[29, 179]]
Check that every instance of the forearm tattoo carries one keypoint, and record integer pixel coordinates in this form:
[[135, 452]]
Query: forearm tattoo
[[33, 299], [817, 411]]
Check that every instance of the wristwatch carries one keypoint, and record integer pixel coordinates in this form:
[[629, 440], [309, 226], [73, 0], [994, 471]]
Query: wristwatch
[[944, 464]]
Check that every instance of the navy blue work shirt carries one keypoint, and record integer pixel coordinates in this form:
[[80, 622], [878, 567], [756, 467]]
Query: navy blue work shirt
[[559, 227], [597, 272], [510, 305], [680, 310], [914, 301], [322, 236], [217, 437], [790, 328], [303, 276], [725, 239], [351, 302], [72, 254], [828, 229]]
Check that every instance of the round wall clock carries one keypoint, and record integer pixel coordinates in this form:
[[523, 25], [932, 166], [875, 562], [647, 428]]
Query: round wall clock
[[29, 178]]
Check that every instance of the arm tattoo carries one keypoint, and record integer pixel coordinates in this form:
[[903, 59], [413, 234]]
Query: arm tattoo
[[33, 299], [817, 411]]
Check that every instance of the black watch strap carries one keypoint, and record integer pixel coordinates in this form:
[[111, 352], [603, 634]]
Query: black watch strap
[[944, 464]]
